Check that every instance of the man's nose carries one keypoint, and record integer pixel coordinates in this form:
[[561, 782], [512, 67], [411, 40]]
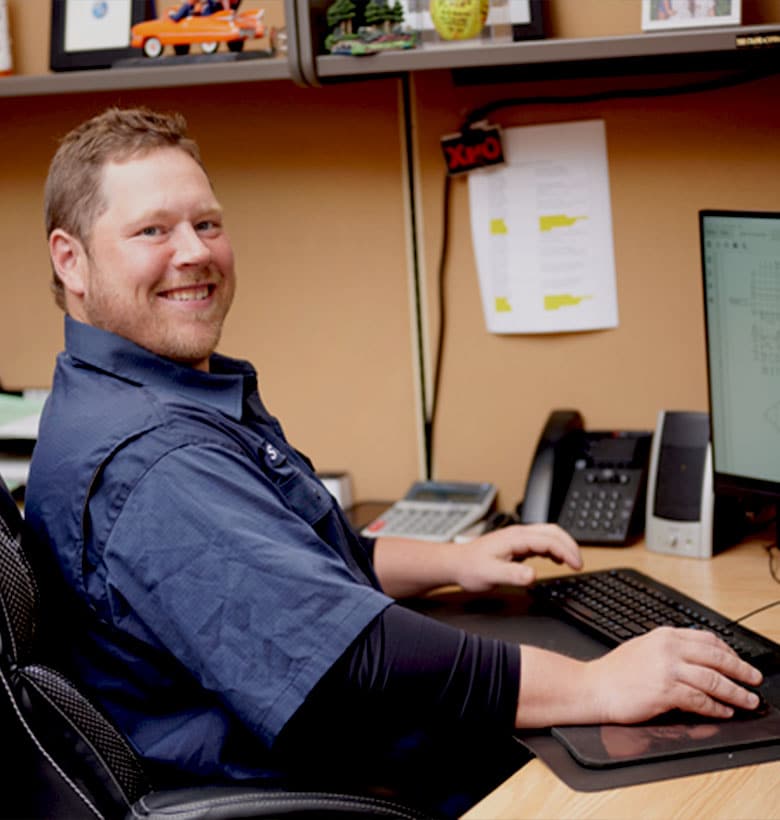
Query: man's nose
[[190, 247]]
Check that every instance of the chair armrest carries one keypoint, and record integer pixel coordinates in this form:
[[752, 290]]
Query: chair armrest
[[218, 802]]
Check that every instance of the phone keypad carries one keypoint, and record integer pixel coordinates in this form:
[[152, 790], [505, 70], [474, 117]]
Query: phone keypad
[[600, 505]]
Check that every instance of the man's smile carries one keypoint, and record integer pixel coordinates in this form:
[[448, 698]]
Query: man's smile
[[190, 294]]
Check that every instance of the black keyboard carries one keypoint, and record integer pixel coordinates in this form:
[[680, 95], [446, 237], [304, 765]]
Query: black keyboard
[[616, 605]]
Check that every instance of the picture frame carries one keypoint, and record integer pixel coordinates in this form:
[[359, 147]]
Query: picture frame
[[93, 33], [658, 15], [530, 14]]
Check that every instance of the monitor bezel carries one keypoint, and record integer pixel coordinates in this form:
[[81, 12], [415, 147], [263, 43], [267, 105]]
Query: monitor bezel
[[730, 483]]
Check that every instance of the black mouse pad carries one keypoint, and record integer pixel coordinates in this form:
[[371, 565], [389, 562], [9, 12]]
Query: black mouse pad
[[510, 615], [671, 737]]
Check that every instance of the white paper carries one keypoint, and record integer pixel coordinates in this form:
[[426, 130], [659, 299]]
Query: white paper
[[542, 231], [97, 24], [509, 11], [20, 415]]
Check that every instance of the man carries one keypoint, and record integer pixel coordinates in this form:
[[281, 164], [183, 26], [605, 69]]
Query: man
[[203, 8], [185, 9], [229, 619]]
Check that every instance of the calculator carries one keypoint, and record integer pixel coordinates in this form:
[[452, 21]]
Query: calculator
[[434, 510]]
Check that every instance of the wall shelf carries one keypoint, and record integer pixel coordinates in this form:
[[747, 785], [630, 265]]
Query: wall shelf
[[147, 76], [657, 51], [479, 54]]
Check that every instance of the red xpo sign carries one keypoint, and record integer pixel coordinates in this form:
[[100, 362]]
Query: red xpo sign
[[476, 147]]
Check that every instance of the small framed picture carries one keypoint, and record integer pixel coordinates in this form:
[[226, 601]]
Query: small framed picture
[[669, 14], [527, 19], [93, 33]]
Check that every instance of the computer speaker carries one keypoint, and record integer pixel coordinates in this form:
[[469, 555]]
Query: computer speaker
[[680, 509]]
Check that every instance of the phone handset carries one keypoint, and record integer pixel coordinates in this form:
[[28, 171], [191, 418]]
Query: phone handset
[[551, 468]]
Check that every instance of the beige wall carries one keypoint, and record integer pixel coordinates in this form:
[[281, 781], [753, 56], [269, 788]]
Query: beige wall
[[313, 185], [668, 157], [313, 189]]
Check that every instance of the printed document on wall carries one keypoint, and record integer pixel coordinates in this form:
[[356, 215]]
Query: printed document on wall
[[542, 231]]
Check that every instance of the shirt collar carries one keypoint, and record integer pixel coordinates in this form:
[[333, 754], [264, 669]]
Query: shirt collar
[[224, 388]]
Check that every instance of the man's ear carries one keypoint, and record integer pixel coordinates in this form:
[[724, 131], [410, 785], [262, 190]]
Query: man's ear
[[69, 259]]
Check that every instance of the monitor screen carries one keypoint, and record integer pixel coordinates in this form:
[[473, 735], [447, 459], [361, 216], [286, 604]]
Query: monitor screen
[[741, 265]]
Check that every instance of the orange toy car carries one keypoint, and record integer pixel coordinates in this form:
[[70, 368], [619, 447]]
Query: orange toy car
[[208, 31]]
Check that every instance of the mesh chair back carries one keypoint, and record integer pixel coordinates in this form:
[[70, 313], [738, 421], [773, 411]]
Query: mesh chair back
[[75, 748], [60, 758]]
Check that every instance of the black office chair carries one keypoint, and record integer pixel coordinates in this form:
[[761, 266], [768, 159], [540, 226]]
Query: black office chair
[[60, 757]]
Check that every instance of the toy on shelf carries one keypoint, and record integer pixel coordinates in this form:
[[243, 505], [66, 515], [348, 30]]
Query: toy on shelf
[[459, 19], [380, 28], [206, 23]]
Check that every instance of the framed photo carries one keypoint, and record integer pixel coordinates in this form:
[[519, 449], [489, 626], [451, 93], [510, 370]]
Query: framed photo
[[527, 19], [669, 14], [93, 33]]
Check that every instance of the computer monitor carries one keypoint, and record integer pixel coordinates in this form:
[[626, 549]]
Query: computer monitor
[[741, 265]]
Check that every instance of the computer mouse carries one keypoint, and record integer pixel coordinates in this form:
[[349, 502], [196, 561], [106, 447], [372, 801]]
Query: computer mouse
[[749, 714], [678, 716]]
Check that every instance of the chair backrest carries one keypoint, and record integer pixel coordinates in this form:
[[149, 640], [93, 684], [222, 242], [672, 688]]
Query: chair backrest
[[60, 756]]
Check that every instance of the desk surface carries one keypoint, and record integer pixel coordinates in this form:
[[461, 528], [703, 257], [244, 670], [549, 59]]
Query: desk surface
[[734, 583]]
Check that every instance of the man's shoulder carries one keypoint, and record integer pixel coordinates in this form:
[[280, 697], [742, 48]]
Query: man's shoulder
[[112, 429], [114, 413], [83, 413]]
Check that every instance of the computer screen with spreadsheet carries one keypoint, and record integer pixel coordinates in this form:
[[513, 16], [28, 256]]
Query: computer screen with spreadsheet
[[741, 266]]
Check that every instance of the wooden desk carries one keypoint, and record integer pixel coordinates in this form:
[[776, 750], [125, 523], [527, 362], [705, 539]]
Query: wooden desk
[[734, 583]]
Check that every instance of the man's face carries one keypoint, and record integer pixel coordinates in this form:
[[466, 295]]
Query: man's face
[[159, 266]]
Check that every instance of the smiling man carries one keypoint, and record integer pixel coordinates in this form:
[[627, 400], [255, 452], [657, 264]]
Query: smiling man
[[156, 266], [222, 610]]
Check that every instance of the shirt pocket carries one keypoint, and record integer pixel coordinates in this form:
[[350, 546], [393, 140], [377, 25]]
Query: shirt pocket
[[303, 493]]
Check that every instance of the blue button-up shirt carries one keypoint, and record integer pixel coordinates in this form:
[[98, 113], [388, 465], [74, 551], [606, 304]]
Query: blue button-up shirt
[[216, 578]]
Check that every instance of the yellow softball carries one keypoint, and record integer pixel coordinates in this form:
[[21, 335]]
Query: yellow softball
[[459, 19]]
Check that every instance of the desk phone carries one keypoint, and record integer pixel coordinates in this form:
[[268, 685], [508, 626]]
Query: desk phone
[[434, 510], [592, 483]]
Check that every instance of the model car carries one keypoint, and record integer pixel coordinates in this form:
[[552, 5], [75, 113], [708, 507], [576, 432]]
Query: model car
[[207, 31]]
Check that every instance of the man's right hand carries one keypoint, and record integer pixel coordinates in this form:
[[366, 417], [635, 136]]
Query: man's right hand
[[665, 669], [687, 669]]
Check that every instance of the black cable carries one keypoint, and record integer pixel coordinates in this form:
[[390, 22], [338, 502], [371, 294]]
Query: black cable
[[772, 568], [773, 572], [440, 336], [417, 278], [700, 86], [754, 612], [481, 113]]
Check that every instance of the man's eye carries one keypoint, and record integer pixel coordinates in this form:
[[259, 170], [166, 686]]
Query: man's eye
[[207, 225], [151, 230]]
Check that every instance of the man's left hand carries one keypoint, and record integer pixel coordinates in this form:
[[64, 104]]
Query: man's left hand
[[496, 558]]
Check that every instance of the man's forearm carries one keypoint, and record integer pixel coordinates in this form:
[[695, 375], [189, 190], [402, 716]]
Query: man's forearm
[[409, 566], [551, 690]]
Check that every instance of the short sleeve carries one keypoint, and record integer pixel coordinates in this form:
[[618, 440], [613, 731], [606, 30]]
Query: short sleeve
[[206, 557]]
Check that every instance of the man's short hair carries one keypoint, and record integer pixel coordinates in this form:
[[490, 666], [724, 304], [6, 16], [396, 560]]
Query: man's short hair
[[72, 196]]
